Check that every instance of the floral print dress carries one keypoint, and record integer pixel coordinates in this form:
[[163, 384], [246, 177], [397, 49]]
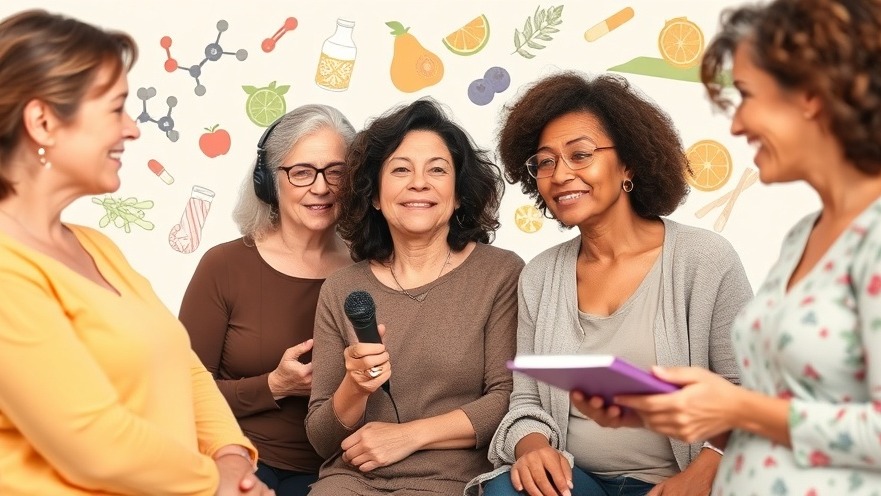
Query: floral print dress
[[819, 345]]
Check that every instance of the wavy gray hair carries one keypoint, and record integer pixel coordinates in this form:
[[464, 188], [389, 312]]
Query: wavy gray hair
[[256, 219]]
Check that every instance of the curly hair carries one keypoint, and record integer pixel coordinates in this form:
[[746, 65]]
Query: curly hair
[[829, 48], [478, 187], [643, 134]]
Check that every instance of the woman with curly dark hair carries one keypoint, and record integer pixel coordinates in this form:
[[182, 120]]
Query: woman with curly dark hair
[[419, 204], [808, 418], [599, 156]]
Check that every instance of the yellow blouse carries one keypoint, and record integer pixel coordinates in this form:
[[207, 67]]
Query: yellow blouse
[[100, 392]]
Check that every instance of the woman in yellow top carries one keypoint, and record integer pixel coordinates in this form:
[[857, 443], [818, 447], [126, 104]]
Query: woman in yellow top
[[99, 391]]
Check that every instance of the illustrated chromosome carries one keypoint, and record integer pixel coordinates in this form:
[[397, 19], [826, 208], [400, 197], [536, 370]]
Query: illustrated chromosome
[[165, 123], [186, 235], [268, 44], [213, 52]]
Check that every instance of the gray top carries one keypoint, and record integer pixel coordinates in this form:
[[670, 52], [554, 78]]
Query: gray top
[[704, 287], [627, 333]]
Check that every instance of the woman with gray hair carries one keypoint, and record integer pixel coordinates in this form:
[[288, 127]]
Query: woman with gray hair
[[250, 305]]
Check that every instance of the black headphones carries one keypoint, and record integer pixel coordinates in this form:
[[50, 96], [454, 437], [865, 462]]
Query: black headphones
[[264, 185]]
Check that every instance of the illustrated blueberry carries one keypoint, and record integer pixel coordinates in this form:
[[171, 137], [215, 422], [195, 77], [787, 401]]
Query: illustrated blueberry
[[497, 78], [479, 92]]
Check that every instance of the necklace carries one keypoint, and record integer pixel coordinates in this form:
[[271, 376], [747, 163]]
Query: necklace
[[420, 297]]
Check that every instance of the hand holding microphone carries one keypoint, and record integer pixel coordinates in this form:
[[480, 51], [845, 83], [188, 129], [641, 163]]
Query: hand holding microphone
[[367, 362]]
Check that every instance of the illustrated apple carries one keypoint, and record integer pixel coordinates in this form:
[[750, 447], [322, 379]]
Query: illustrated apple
[[215, 142]]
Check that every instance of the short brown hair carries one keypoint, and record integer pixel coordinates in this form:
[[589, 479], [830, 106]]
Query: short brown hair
[[643, 134], [479, 184], [830, 48], [54, 59]]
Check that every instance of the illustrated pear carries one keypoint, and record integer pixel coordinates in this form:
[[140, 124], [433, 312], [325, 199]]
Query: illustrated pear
[[413, 66]]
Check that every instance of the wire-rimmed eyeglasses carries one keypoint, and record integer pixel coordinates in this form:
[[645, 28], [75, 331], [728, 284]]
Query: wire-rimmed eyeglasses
[[305, 174], [580, 156]]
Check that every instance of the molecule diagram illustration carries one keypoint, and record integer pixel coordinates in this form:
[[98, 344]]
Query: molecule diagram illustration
[[213, 53]]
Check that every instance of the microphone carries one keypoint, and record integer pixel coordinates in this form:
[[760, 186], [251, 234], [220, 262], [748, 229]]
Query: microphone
[[361, 311]]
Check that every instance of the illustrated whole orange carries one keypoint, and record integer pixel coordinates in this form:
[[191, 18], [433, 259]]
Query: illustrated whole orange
[[413, 67]]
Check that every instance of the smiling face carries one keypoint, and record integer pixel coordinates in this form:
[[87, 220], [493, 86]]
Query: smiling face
[[313, 207], [580, 197], [417, 187], [777, 122], [88, 151]]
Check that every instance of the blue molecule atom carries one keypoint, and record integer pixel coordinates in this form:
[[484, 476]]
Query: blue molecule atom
[[213, 52], [164, 123]]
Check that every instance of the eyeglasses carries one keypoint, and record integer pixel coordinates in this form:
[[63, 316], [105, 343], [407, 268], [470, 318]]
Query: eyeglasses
[[579, 156], [305, 175]]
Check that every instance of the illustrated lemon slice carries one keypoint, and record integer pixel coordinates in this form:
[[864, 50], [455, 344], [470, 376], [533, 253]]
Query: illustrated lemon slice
[[710, 165], [265, 106], [681, 43], [470, 38], [528, 218]]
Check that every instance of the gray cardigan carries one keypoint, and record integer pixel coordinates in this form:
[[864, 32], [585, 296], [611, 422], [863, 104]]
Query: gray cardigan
[[704, 288]]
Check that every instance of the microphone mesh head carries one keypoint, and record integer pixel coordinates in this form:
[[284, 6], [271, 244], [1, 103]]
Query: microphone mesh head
[[359, 307]]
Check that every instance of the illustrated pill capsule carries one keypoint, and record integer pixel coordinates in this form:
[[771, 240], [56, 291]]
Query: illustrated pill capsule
[[160, 171], [603, 27]]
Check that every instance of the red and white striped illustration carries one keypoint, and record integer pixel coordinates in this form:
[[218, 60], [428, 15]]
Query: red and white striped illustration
[[186, 235]]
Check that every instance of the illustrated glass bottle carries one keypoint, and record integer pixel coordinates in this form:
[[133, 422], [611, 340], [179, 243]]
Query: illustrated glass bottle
[[337, 58]]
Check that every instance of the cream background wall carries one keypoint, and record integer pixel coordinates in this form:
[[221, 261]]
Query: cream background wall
[[756, 226]]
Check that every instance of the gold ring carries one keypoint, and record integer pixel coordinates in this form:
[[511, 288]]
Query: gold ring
[[374, 372]]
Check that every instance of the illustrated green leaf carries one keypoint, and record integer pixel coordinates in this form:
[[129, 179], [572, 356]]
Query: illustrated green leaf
[[539, 16], [538, 26], [250, 89], [527, 28], [145, 224], [124, 212], [397, 28], [281, 90]]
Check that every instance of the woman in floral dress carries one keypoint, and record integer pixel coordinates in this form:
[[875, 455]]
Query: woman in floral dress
[[807, 420]]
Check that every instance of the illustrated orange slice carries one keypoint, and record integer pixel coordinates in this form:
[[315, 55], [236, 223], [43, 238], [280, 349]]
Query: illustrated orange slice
[[470, 38], [681, 43], [710, 165], [528, 218]]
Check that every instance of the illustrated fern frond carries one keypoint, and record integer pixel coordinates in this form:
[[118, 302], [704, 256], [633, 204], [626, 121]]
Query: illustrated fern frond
[[537, 27]]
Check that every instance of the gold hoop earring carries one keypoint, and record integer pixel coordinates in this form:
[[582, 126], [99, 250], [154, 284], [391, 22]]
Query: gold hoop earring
[[43, 160], [627, 185]]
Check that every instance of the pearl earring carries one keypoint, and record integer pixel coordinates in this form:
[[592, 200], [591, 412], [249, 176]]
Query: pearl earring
[[43, 161]]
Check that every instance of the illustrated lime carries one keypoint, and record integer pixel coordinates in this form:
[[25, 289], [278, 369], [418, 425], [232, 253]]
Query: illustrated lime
[[265, 105]]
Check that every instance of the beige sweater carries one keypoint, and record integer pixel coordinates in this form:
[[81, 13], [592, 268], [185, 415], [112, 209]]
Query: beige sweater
[[448, 352]]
